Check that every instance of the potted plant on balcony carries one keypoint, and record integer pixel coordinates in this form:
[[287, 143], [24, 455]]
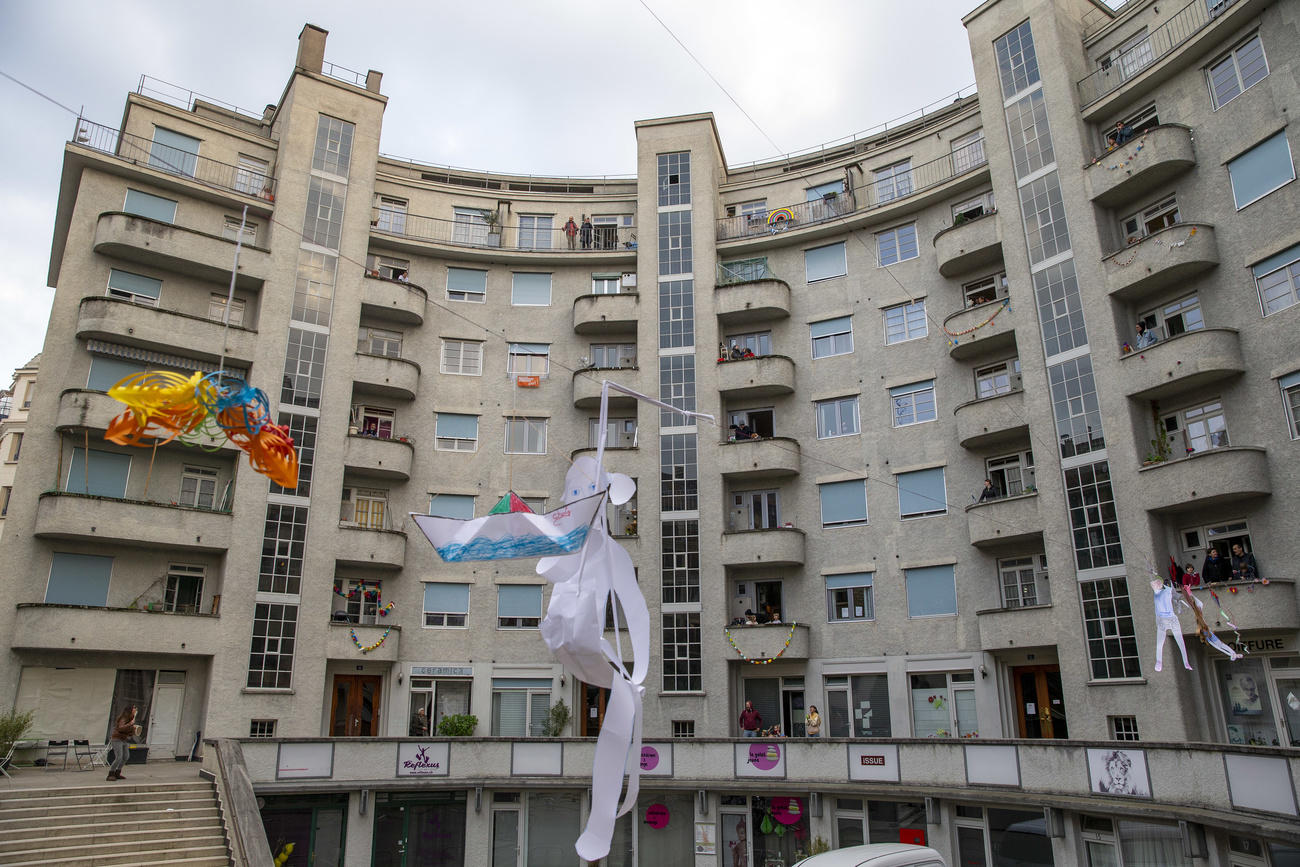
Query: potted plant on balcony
[[493, 220], [457, 725], [1160, 451]]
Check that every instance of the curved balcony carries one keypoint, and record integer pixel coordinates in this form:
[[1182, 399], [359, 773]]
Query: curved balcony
[[90, 520], [765, 376], [378, 458], [1210, 478], [780, 546], [102, 318], [751, 460], [1166, 258], [39, 626], [393, 300], [992, 421], [339, 643], [364, 548], [178, 249], [82, 408], [973, 244], [1005, 521], [1263, 606], [1015, 628], [389, 377], [605, 314], [1137, 168], [752, 301], [766, 641], [1182, 363], [587, 385], [981, 331]]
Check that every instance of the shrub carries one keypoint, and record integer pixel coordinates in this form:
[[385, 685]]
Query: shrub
[[13, 726], [557, 721], [457, 725]]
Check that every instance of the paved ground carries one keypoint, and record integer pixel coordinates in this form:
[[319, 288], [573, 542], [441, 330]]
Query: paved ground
[[28, 777]]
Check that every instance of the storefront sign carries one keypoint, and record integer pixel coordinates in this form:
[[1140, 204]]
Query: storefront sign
[[441, 671], [762, 759], [656, 816], [305, 761], [656, 760], [992, 765], [423, 760], [1281, 642], [873, 762]]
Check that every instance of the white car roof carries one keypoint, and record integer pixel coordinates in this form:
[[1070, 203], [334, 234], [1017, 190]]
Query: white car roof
[[877, 855]]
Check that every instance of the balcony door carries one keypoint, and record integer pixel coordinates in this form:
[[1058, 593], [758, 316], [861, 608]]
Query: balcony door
[[355, 712], [1040, 701]]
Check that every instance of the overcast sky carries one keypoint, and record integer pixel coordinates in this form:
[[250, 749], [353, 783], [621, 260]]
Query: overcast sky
[[506, 86]]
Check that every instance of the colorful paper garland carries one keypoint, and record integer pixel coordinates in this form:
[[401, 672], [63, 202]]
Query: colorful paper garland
[[1159, 242], [953, 335], [766, 660]]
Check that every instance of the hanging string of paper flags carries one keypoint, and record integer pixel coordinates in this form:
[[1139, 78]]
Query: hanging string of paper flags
[[1157, 241], [1124, 163], [368, 593], [761, 660], [953, 335]]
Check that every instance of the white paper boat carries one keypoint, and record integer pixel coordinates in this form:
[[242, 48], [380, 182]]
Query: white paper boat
[[512, 535]]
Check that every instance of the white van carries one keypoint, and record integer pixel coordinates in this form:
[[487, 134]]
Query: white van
[[877, 855]]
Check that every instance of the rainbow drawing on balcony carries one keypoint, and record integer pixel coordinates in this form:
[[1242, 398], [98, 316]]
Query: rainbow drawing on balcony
[[512, 530], [165, 405], [780, 219]]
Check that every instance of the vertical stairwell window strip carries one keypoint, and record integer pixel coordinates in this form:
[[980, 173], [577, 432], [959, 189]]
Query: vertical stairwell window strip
[[303, 430], [270, 658], [1108, 625]]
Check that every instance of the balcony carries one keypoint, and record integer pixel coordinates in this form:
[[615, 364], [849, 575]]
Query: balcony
[[618, 459], [1263, 606], [750, 460], [753, 301], [1185, 362], [179, 249], [766, 641], [605, 314], [1005, 521], [376, 458], [1136, 168], [587, 384], [81, 408], [1212, 478], [1016, 628], [38, 626], [474, 239], [1166, 258], [385, 376], [973, 244], [393, 300], [339, 643], [118, 321], [364, 548], [765, 376], [781, 546], [982, 331], [89, 520], [992, 421]]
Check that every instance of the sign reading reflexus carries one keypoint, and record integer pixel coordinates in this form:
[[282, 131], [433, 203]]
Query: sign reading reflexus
[[422, 760]]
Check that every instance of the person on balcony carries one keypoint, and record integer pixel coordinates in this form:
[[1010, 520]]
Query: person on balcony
[[743, 432], [1145, 336], [586, 232], [571, 232], [1244, 567], [812, 723], [989, 492], [750, 721], [1216, 569], [1120, 134]]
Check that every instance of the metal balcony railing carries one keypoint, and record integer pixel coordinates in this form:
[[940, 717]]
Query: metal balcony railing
[[183, 97], [869, 196], [342, 73], [745, 271], [476, 232], [143, 152], [1181, 26]]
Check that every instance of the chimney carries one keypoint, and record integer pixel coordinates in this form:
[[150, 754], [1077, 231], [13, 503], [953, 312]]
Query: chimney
[[311, 48], [372, 80]]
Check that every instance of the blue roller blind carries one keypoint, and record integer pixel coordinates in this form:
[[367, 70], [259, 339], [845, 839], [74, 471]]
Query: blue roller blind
[[821, 263], [844, 502], [465, 280], [521, 683], [1261, 170], [107, 372], [106, 477], [1290, 379], [451, 506], [531, 290], [79, 579], [173, 152], [921, 492], [1278, 260], [447, 598], [931, 590], [125, 282], [450, 424], [849, 579], [153, 207], [828, 327], [519, 600], [911, 388]]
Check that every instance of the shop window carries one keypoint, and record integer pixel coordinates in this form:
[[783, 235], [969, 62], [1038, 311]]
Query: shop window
[[858, 706], [1132, 843], [943, 705], [987, 835], [1258, 693], [434, 698]]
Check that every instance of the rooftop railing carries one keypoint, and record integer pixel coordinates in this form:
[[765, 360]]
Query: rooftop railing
[[181, 97], [869, 196], [155, 155], [1181, 26], [342, 73], [476, 232]]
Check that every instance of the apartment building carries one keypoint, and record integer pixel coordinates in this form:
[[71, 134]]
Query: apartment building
[[15, 403], [983, 663]]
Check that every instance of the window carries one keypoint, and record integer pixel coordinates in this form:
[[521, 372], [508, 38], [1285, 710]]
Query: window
[[896, 245], [823, 263], [1017, 60], [284, 545], [1261, 170], [943, 705], [438, 698], [1044, 214], [683, 728], [973, 208], [1150, 220], [832, 337], [358, 600], [445, 605], [905, 322], [682, 670], [1290, 385], [757, 342], [529, 359], [519, 606], [1012, 475], [451, 505], [270, 658], [231, 231], [1108, 626], [1139, 842], [620, 433], [173, 152], [198, 487], [922, 493], [333, 151], [743, 270], [379, 341], [1132, 56], [1203, 427], [15, 448], [844, 504], [304, 367], [1278, 280], [135, 288], [535, 231], [985, 289], [757, 208], [217, 309], [1220, 536], [5, 493], [613, 355], [620, 516], [323, 223], [1093, 519], [313, 289], [373, 421], [870, 709], [390, 216], [894, 182], [607, 284], [1176, 318], [525, 436], [469, 226], [849, 597], [388, 267], [755, 510], [464, 284], [931, 591], [837, 417], [365, 507], [1257, 697], [520, 706], [1123, 728], [261, 728], [1244, 67], [913, 403], [967, 151], [1000, 378], [530, 290], [605, 230], [78, 579], [251, 176], [1024, 581], [455, 432], [150, 206], [760, 421], [105, 476], [462, 357]]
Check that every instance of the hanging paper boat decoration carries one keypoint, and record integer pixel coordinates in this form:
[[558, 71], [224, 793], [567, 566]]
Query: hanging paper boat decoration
[[512, 530]]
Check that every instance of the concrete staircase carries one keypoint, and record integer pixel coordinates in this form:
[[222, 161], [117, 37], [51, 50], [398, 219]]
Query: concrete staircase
[[124, 823]]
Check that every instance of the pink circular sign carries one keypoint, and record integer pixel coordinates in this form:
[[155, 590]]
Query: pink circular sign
[[764, 756], [787, 811], [656, 816], [649, 758]]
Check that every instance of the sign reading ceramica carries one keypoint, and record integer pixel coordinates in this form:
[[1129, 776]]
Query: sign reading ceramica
[[422, 760], [441, 671]]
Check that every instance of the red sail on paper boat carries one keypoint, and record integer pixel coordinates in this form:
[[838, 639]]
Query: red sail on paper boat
[[512, 530]]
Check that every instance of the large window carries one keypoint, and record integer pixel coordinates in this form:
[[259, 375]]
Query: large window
[[849, 597], [529, 359], [1244, 67], [184, 591], [967, 151], [150, 206], [284, 544], [755, 510], [519, 606], [1093, 520], [1178, 317], [1002, 377], [1278, 280], [896, 245], [682, 652], [530, 290], [1261, 170], [451, 505], [520, 706], [1198, 428], [78, 579], [1024, 581], [837, 417], [135, 288], [270, 658], [333, 153], [905, 322], [1140, 843], [379, 341], [469, 226], [823, 263], [894, 182], [1290, 385], [525, 436], [173, 152], [535, 231], [252, 176], [1044, 212], [462, 357], [1149, 220], [613, 355], [391, 215], [844, 504], [931, 591], [1259, 699], [198, 487], [921, 493], [445, 604], [455, 432], [104, 475], [464, 284], [832, 337], [1017, 60], [323, 223], [943, 705], [1108, 626], [858, 706], [913, 403]]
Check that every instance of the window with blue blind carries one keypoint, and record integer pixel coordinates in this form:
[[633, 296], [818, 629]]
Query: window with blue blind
[[849, 597], [1261, 170], [445, 604], [531, 290], [519, 606], [151, 206], [107, 372], [105, 476], [134, 287], [823, 263], [913, 403], [464, 284], [1278, 280], [844, 504], [832, 337], [922, 493], [931, 591], [451, 505], [173, 152], [78, 579], [455, 432], [897, 244]]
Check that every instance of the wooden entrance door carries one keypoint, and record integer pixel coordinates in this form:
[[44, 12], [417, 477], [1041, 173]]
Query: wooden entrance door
[[594, 699], [355, 712], [1040, 701]]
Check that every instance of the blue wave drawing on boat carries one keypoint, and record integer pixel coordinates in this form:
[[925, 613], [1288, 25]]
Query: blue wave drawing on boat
[[510, 547]]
